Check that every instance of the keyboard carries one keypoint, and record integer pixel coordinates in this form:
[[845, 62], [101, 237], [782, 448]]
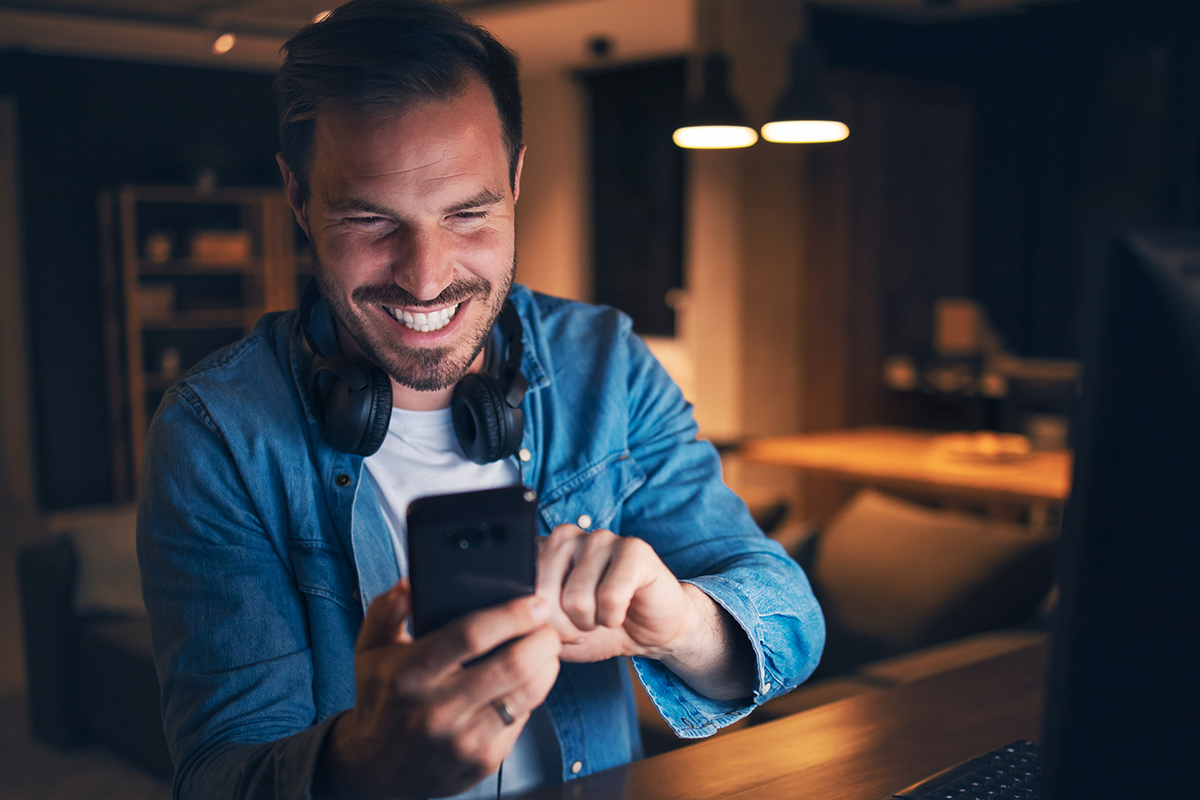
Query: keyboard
[[1010, 773]]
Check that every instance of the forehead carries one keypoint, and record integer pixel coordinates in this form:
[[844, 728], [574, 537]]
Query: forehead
[[423, 143]]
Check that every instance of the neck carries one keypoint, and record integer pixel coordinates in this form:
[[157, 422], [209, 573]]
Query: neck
[[412, 400]]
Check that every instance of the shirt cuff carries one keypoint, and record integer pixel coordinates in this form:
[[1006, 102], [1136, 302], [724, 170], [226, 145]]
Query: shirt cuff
[[690, 714]]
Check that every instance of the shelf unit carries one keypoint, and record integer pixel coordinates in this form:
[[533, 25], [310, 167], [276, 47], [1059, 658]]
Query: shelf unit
[[202, 303]]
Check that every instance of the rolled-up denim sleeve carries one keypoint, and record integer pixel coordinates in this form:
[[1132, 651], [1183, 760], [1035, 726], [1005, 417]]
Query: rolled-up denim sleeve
[[705, 535], [231, 645]]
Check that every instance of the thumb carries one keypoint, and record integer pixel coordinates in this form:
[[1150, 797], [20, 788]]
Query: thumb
[[384, 623]]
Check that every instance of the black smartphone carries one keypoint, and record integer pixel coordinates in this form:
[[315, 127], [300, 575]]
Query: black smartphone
[[469, 551]]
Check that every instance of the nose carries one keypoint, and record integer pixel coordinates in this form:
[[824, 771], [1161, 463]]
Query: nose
[[423, 265]]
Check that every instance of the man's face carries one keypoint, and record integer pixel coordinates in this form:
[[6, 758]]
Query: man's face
[[411, 217]]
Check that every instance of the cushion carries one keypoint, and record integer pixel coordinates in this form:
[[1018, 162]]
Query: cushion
[[893, 576], [106, 547]]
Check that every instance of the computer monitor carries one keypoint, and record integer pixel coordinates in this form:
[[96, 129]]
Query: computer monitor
[[1122, 714]]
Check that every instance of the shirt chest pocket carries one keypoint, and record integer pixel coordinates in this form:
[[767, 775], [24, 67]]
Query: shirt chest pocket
[[325, 572], [593, 498]]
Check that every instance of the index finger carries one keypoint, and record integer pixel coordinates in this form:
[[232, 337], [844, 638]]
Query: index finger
[[481, 632]]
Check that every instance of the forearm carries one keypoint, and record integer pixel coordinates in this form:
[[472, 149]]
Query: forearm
[[269, 770], [713, 656], [335, 775]]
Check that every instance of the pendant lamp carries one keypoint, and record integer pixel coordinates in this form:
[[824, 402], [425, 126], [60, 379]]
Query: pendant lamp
[[715, 121], [805, 113]]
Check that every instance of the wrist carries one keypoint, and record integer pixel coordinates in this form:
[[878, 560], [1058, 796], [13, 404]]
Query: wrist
[[338, 772], [713, 654], [683, 648]]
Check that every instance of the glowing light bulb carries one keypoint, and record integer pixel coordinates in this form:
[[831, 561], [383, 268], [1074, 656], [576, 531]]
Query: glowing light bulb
[[714, 137], [805, 130], [223, 44]]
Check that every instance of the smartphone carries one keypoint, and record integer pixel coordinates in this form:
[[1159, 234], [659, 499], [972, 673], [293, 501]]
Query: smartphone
[[469, 551]]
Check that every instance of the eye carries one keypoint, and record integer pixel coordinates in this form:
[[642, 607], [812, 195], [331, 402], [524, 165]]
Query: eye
[[365, 221], [470, 215]]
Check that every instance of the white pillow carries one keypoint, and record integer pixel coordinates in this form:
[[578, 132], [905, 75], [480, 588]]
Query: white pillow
[[106, 546]]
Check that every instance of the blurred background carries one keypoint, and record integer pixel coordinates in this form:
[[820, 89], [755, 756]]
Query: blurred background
[[927, 273]]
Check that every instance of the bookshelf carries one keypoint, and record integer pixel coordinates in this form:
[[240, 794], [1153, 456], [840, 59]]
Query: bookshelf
[[186, 272]]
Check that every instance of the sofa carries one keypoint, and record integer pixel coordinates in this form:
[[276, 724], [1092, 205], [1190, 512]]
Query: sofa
[[88, 661]]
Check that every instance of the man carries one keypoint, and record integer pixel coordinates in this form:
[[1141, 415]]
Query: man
[[273, 563]]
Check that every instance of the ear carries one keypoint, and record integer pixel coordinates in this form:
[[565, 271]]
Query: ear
[[295, 194], [517, 174]]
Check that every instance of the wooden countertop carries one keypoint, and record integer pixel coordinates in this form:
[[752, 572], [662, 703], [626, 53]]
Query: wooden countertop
[[862, 748], [911, 458]]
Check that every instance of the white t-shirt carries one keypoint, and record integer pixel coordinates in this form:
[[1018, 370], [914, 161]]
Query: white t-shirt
[[420, 456]]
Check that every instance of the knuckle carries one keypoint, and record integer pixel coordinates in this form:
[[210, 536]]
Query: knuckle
[[577, 604], [609, 604], [634, 545], [430, 723], [471, 637], [604, 535], [511, 664], [564, 533]]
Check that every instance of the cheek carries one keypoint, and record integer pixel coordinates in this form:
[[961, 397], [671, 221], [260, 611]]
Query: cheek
[[486, 252], [352, 257]]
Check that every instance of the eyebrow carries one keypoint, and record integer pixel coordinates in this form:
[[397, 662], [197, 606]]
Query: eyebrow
[[345, 204], [484, 197]]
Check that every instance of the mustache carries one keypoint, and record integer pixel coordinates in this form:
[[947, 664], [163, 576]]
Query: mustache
[[392, 295]]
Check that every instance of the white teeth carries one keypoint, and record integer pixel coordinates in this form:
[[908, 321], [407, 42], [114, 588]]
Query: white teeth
[[423, 322]]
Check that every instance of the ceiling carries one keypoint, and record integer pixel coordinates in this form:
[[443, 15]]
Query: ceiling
[[278, 18], [546, 34]]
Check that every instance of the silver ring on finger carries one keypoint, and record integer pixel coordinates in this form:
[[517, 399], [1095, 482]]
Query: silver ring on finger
[[504, 712]]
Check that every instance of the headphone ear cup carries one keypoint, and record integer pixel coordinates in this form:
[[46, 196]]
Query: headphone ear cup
[[352, 420], [477, 408], [381, 413]]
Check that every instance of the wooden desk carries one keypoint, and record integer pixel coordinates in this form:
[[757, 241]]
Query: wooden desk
[[909, 459], [861, 748]]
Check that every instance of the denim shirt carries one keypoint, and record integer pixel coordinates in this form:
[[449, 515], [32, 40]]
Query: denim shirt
[[261, 547]]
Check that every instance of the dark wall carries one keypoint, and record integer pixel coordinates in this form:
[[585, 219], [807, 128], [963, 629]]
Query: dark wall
[[1085, 124], [637, 177], [87, 124]]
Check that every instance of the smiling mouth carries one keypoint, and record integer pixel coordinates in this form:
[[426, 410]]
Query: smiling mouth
[[423, 322]]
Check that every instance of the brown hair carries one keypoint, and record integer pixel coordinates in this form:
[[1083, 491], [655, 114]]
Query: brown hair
[[384, 54]]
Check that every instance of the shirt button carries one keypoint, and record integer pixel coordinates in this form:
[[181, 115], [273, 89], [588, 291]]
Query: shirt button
[[767, 686], [356, 595], [342, 480], [524, 454], [576, 768], [584, 521]]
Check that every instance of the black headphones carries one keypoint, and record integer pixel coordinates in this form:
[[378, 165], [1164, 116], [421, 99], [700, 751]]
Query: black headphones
[[353, 401]]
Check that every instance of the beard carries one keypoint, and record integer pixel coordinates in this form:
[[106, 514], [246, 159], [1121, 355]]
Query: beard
[[425, 369]]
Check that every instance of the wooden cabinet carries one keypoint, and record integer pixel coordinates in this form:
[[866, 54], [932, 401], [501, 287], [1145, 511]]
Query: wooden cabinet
[[185, 273]]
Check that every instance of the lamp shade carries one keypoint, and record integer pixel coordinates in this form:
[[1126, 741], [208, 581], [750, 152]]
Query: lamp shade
[[715, 121], [805, 113]]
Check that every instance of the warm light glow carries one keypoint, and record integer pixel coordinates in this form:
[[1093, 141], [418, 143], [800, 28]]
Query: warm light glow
[[223, 44], [320, 17], [715, 137], [806, 130]]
